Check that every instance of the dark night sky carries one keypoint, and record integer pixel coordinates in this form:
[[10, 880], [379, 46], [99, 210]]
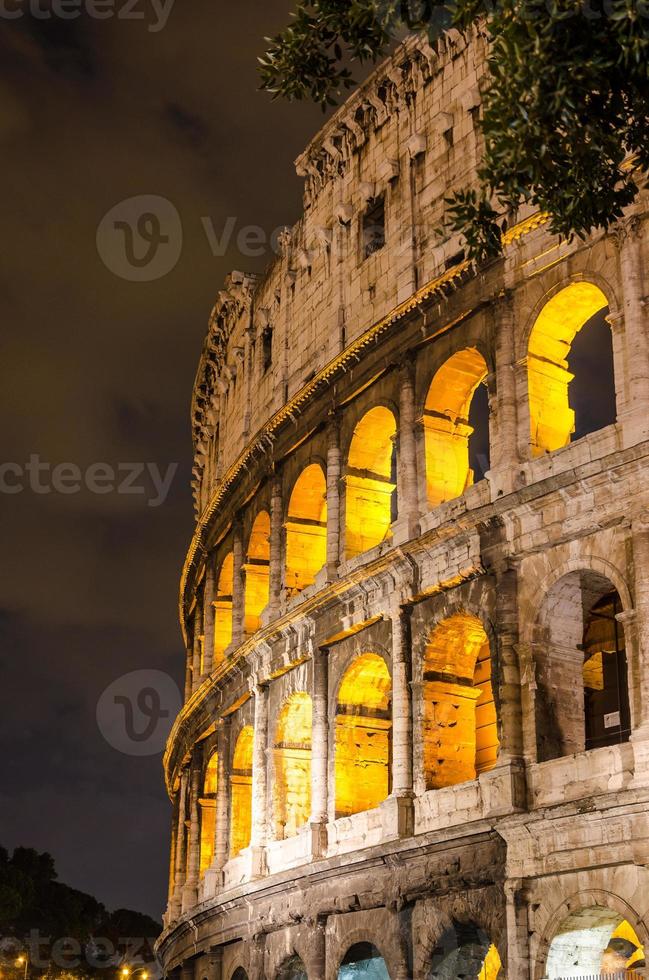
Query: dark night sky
[[97, 369]]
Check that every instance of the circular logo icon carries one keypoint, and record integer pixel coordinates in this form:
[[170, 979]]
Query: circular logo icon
[[140, 239], [135, 713]]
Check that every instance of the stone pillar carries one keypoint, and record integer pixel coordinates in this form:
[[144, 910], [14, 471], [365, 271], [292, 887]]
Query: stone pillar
[[636, 423], [222, 828], [504, 436], [175, 906], [197, 647], [317, 967], [259, 768], [402, 925], [190, 891], [320, 751], [275, 569], [333, 496], [639, 679], [187, 971], [257, 948], [238, 584], [407, 494], [172, 858], [402, 781], [508, 696], [209, 595], [189, 655], [518, 934], [214, 963]]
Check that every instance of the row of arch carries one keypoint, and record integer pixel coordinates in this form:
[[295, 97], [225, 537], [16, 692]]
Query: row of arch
[[593, 941], [581, 703], [455, 421]]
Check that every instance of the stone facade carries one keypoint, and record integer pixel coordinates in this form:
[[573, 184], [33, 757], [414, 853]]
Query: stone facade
[[417, 686]]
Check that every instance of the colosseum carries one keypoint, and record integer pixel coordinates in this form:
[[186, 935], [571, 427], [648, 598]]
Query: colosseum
[[415, 737]]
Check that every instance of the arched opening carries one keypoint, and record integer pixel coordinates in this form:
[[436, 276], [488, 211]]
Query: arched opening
[[292, 784], [460, 728], [456, 432], [363, 962], [595, 942], [370, 481], [582, 699], [570, 381], [241, 791], [362, 735], [239, 974], [257, 572], [306, 530], [292, 969], [464, 950], [208, 813], [223, 608]]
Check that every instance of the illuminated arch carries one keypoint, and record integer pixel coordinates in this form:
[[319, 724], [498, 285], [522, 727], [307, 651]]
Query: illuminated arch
[[363, 960], [241, 791], [292, 751], [464, 950], [306, 529], [594, 941], [362, 735], [223, 608], [370, 481], [257, 572], [460, 732], [552, 419], [579, 651], [447, 431], [208, 813]]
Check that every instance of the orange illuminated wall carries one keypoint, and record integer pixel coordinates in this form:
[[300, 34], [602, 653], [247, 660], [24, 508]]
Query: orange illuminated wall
[[257, 571], [492, 965], [223, 608], [446, 425], [460, 735], [208, 814], [370, 481], [552, 420], [292, 751], [362, 735], [306, 529], [241, 792]]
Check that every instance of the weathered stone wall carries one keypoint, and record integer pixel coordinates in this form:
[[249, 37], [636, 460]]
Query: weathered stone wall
[[456, 637]]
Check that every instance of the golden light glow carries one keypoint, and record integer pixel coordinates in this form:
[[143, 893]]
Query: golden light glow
[[292, 785], [223, 608], [552, 420], [460, 726], [362, 735], [370, 481], [446, 426], [491, 966], [241, 791], [257, 572], [616, 960], [306, 529], [208, 813]]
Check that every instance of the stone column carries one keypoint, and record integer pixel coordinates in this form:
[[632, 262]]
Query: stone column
[[197, 647], [518, 933], [259, 768], [407, 502], [402, 784], [238, 584], [333, 496], [636, 423], [319, 751], [222, 828], [275, 568], [508, 696], [504, 437], [172, 859], [209, 595], [639, 680], [175, 905], [189, 656], [317, 968], [190, 891]]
